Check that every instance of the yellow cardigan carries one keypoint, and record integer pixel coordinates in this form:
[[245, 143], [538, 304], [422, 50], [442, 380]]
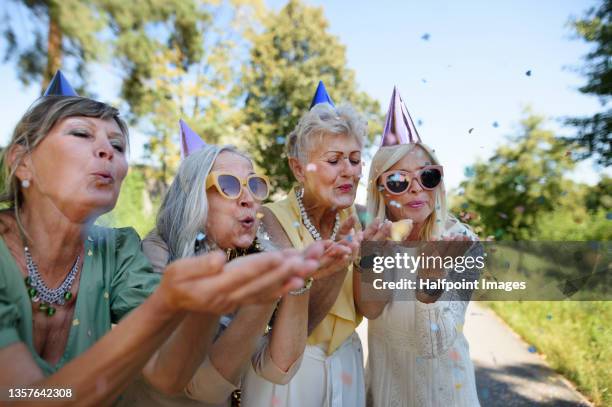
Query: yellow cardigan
[[342, 318]]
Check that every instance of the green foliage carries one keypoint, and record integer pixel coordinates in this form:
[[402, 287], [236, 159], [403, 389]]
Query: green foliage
[[523, 181], [594, 132], [287, 60], [575, 336]]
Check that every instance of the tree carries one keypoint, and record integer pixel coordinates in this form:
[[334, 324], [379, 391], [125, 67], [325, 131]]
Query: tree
[[523, 181], [56, 34], [594, 132], [288, 58]]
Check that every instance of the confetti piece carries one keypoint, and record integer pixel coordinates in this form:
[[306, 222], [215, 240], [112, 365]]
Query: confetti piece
[[520, 209], [275, 401], [75, 322], [528, 73], [484, 393], [280, 140], [349, 238], [419, 122], [347, 378], [381, 188], [609, 216], [502, 215], [425, 37], [471, 130], [469, 172], [540, 200], [454, 355], [423, 80], [495, 124], [90, 238], [549, 317], [532, 349], [395, 203], [464, 205], [459, 328], [296, 224], [434, 327], [106, 296], [507, 264], [311, 167], [458, 386], [259, 215], [89, 252]]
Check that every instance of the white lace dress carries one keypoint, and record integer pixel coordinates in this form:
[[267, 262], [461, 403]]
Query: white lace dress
[[418, 355]]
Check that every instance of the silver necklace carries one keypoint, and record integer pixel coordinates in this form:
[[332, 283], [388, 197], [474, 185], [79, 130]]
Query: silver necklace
[[308, 224], [38, 290]]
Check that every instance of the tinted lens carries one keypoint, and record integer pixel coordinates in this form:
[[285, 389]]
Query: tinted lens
[[229, 185], [258, 187], [397, 183], [430, 178]]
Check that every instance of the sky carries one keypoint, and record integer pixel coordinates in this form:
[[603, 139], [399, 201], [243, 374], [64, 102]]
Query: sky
[[459, 65]]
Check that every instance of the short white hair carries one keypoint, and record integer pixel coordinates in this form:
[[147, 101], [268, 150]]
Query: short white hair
[[323, 120]]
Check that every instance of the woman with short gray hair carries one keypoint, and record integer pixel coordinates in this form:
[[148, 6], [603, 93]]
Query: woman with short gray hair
[[324, 154]]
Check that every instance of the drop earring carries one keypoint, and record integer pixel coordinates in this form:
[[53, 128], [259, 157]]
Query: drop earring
[[25, 183]]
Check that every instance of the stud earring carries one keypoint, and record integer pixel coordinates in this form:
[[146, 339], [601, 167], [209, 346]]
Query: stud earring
[[25, 183]]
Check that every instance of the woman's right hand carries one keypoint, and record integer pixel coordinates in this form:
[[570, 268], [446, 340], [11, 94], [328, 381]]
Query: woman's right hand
[[207, 283]]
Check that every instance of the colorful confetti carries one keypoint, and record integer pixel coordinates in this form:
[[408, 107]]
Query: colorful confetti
[[520, 209], [419, 122], [528, 73], [275, 401], [471, 130], [311, 167], [425, 37], [259, 215], [495, 124], [401, 229], [457, 386], [395, 203], [459, 328], [484, 393], [549, 317], [454, 355], [424, 80], [347, 378], [434, 327], [502, 215], [296, 224], [280, 140], [532, 349], [609, 216]]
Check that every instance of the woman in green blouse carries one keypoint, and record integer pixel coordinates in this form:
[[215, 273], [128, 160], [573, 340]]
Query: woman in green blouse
[[63, 281]]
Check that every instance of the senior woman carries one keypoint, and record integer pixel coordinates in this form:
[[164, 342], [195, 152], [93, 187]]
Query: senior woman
[[418, 355], [325, 156], [213, 203], [63, 282]]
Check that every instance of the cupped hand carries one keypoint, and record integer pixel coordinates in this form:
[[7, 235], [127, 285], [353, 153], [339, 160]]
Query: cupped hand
[[207, 284]]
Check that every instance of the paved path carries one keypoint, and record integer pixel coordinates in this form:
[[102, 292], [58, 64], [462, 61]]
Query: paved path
[[507, 374]]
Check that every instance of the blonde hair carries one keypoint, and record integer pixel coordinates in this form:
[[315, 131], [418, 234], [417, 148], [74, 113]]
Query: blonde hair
[[184, 210], [384, 159], [320, 121]]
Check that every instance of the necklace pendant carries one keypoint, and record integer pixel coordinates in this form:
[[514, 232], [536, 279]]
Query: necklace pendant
[[32, 292], [50, 311], [43, 307], [67, 295]]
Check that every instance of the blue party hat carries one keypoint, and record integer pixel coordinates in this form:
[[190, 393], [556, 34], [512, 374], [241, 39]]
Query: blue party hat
[[190, 141], [321, 96], [59, 86]]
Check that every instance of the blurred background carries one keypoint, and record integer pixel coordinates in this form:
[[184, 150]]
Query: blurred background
[[513, 96]]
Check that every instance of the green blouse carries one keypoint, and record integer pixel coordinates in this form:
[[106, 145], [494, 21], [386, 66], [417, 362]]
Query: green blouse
[[116, 278]]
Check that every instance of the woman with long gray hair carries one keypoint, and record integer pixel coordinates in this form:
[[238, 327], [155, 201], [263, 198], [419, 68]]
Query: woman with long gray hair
[[213, 204]]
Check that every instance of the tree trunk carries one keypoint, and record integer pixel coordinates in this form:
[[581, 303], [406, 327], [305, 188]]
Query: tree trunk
[[54, 44]]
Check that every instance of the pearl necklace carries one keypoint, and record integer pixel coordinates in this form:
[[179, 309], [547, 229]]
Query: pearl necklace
[[308, 224]]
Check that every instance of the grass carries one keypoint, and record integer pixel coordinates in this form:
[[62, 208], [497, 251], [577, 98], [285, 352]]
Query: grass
[[575, 337]]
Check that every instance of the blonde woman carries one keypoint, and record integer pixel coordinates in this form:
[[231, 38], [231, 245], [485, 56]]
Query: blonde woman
[[418, 355]]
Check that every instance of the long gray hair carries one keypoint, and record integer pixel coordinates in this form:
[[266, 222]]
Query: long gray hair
[[184, 211]]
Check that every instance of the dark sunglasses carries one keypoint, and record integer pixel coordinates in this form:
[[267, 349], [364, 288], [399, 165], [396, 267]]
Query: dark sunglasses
[[230, 186], [398, 181]]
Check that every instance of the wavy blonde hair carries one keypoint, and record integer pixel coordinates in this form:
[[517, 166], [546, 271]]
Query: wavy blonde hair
[[384, 159]]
